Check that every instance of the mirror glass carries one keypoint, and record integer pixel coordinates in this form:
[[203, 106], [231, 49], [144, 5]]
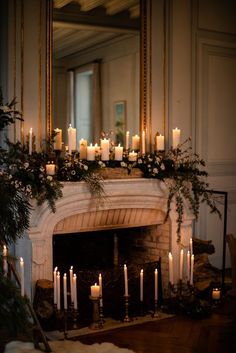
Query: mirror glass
[[96, 68]]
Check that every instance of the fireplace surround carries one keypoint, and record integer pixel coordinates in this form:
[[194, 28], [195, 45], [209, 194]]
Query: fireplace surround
[[127, 203]]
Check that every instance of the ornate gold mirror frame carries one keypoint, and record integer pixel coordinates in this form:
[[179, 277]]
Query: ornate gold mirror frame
[[145, 65]]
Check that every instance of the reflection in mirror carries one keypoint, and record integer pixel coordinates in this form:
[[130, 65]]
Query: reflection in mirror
[[96, 67]]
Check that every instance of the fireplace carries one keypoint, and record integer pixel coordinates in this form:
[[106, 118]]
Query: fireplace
[[128, 203]]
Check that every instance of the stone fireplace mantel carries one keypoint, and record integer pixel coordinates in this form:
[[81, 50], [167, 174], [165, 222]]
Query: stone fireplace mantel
[[126, 203]]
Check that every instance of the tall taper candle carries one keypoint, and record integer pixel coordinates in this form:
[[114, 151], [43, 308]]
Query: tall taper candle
[[58, 139], [141, 285], [71, 139], [156, 284], [75, 291], [58, 291], [22, 277], [171, 275], [192, 268], [143, 142], [30, 140], [181, 262], [100, 286], [127, 140], [188, 266], [65, 291], [5, 266], [71, 284], [55, 286], [126, 280], [191, 246]]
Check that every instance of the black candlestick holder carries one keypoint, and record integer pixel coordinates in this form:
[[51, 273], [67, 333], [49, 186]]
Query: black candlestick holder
[[155, 313], [101, 317], [96, 323], [141, 306], [126, 318]]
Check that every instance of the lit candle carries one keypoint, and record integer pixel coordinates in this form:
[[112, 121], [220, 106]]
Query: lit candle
[[133, 156], [65, 290], [71, 284], [191, 245], [22, 278], [58, 291], [171, 278], [175, 137], [71, 139], [50, 168], [135, 142], [156, 283], [188, 266], [160, 142], [191, 269], [141, 285], [30, 140], [75, 291], [127, 140], [91, 153], [55, 286], [5, 266], [95, 290], [118, 153], [100, 286], [104, 149], [58, 139], [216, 294], [83, 148], [143, 142], [181, 262], [126, 280]]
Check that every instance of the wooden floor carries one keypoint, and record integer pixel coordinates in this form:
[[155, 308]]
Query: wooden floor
[[214, 334]]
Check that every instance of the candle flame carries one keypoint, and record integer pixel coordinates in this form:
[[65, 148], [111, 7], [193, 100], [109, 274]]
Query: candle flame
[[65, 275], [55, 269], [71, 267], [21, 259]]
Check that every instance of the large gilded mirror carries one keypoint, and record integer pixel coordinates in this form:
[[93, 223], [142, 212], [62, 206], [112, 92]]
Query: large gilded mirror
[[97, 68]]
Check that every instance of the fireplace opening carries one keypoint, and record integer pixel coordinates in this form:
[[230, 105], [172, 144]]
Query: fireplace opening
[[106, 252]]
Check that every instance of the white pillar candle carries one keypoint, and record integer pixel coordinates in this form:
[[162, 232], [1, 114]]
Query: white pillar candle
[[119, 153], [58, 291], [55, 286], [91, 153], [5, 265], [143, 142], [171, 275], [83, 148], [100, 286], [188, 266], [30, 140], [141, 285], [126, 280], [160, 143], [156, 284], [127, 140], [65, 291], [58, 139], [71, 139], [50, 168], [104, 149], [75, 291], [175, 137], [22, 277], [181, 262], [95, 291], [133, 156], [71, 284], [191, 270], [216, 294], [135, 142]]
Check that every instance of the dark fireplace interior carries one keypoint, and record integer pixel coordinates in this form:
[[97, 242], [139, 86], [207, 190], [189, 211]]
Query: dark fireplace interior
[[106, 252]]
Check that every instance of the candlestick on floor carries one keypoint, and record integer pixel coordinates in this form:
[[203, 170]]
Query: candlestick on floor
[[155, 314], [74, 317], [126, 318], [101, 317], [96, 323], [65, 324]]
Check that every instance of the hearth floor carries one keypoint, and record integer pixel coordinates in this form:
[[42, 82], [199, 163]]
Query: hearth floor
[[109, 324]]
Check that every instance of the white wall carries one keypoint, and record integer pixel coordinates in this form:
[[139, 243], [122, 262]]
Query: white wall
[[200, 61]]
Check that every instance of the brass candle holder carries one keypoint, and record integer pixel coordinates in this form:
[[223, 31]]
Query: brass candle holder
[[126, 318], [97, 322]]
